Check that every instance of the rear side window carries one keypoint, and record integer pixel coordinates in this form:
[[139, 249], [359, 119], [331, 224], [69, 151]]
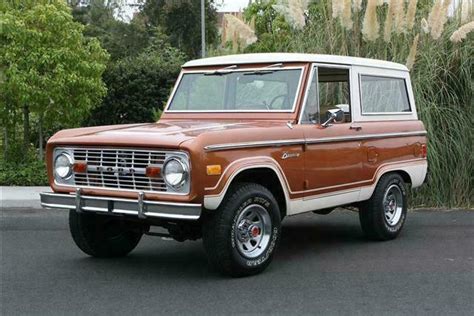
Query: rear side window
[[383, 95]]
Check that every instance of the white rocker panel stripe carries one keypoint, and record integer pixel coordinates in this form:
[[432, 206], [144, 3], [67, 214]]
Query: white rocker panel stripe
[[416, 169]]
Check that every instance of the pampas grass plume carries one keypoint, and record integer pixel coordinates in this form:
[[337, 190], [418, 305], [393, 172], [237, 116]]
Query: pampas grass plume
[[412, 55], [435, 12], [387, 30], [399, 15], [347, 15], [357, 4], [337, 8], [370, 26], [440, 19], [411, 13], [466, 11], [293, 11], [462, 32], [239, 30], [425, 27]]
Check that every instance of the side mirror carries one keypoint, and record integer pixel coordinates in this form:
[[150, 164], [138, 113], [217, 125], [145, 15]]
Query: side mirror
[[334, 115]]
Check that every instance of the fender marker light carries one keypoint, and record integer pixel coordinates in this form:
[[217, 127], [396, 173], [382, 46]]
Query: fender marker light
[[424, 151], [79, 167], [213, 170], [153, 171]]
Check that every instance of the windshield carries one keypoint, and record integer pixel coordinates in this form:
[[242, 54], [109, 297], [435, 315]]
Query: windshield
[[239, 91]]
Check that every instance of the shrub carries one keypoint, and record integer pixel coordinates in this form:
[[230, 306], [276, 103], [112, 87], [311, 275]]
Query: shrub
[[138, 86], [22, 169]]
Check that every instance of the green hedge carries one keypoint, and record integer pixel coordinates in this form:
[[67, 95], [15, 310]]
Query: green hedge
[[31, 173]]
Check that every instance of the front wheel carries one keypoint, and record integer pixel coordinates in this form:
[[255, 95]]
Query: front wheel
[[382, 217], [102, 235], [240, 237]]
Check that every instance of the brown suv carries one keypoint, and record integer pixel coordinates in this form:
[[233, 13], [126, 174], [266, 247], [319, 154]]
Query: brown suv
[[244, 141]]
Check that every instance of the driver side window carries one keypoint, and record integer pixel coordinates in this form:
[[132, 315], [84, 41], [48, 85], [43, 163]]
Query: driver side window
[[329, 89]]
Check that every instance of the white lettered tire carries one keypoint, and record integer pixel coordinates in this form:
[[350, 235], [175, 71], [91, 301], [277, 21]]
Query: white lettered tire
[[241, 236], [382, 217]]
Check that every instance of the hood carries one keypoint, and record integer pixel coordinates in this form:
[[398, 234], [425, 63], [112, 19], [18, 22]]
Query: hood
[[165, 133]]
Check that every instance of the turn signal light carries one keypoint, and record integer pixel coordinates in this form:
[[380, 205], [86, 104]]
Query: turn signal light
[[214, 170], [79, 167], [424, 150], [153, 171]]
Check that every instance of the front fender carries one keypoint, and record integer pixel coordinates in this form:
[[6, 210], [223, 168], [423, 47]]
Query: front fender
[[214, 196]]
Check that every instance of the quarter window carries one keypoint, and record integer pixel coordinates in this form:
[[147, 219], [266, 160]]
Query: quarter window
[[383, 95]]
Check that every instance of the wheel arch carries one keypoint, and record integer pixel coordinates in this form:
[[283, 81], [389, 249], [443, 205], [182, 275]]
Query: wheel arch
[[268, 176], [413, 174], [402, 173]]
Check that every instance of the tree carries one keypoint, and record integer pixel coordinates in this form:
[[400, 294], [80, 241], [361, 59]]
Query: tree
[[139, 86], [273, 32], [181, 21], [120, 39], [50, 70]]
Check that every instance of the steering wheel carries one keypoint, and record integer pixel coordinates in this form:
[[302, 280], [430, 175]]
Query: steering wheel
[[284, 96]]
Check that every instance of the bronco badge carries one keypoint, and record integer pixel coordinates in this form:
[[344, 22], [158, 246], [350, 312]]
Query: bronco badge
[[287, 155]]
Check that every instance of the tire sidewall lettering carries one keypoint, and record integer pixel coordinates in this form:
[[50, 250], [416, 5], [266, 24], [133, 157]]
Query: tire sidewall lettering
[[394, 229], [266, 203]]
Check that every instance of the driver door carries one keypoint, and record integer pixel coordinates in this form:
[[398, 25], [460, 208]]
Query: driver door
[[333, 162]]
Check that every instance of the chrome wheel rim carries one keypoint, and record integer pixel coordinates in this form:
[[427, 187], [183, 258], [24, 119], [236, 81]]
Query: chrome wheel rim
[[252, 231], [393, 204]]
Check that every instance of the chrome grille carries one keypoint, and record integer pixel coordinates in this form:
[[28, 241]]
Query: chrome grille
[[119, 169]]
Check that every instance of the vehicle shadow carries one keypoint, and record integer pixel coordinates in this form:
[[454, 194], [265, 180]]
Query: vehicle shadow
[[303, 239], [155, 257]]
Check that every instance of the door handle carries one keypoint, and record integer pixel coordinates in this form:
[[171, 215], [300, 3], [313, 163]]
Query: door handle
[[356, 127]]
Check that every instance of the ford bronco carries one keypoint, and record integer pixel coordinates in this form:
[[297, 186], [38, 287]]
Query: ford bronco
[[243, 142]]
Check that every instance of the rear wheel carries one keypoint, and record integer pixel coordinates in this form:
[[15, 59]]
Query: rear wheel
[[383, 216], [103, 236], [241, 235]]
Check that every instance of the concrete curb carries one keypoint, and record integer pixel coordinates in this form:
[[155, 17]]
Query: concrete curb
[[21, 197]]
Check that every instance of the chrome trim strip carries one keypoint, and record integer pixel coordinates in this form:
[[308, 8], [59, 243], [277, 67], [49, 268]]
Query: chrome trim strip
[[310, 141], [53, 205], [312, 72], [364, 137], [140, 207], [265, 143]]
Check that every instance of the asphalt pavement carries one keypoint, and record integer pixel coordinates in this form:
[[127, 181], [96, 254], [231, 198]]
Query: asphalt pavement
[[323, 266]]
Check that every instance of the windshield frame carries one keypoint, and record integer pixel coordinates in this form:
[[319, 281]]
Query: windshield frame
[[210, 71]]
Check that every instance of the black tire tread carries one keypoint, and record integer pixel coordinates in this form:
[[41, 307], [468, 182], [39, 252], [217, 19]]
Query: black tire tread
[[94, 246], [370, 215], [215, 240]]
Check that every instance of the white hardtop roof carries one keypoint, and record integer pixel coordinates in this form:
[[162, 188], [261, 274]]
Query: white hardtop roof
[[292, 57]]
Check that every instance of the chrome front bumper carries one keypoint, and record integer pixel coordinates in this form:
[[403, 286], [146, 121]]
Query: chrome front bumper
[[140, 207]]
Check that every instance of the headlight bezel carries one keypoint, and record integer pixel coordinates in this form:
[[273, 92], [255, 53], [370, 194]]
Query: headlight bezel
[[70, 159], [184, 164]]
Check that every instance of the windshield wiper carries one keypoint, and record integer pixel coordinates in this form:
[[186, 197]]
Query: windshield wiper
[[259, 72], [221, 72], [264, 70]]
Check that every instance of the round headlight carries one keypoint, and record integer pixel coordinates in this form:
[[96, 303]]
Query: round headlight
[[175, 172], [63, 165]]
